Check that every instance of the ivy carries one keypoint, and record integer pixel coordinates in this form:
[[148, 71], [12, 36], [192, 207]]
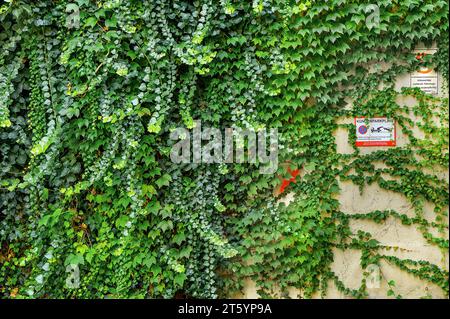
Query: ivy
[[88, 102]]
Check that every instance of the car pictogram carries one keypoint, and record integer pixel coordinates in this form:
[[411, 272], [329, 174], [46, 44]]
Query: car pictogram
[[381, 129]]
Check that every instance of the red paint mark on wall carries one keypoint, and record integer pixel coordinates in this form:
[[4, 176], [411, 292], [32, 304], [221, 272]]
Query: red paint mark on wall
[[287, 182]]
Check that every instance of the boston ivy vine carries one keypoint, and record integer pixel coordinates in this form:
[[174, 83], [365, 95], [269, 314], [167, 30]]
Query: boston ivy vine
[[91, 90]]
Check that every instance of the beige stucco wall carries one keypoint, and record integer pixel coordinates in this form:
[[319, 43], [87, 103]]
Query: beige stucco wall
[[409, 240]]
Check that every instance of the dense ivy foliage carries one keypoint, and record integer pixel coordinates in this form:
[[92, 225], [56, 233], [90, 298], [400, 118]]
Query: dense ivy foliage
[[85, 117]]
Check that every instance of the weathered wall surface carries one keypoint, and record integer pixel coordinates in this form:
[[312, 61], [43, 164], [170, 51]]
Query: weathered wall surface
[[409, 240]]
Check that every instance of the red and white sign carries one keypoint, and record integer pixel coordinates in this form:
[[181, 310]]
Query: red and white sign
[[376, 131]]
